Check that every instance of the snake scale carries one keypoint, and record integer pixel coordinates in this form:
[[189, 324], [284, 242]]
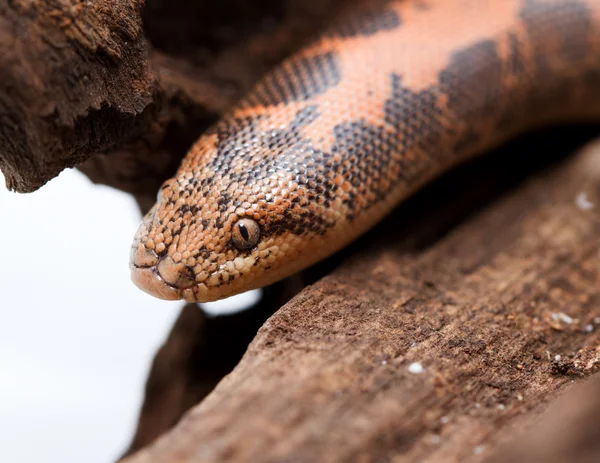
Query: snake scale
[[390, 95]]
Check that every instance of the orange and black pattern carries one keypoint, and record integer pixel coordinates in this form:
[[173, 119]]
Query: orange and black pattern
[[329, 141]]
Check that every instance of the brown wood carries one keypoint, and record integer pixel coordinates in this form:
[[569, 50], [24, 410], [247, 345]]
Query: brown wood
[[567, 431], [74, 79], [199, 351], [499, 306]]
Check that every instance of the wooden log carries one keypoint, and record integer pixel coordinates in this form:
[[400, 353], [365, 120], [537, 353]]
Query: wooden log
[[444, 328], [74, 79], [199, 351], [567, 431]]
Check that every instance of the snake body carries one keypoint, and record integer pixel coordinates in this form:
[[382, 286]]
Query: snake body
[[391, 95]]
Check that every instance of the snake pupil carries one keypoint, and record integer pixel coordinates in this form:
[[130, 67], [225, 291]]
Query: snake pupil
[[244, 231]]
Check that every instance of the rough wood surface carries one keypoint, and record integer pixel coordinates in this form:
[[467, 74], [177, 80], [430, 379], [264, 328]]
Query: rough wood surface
[[74, 79], [568, 431], [199, 351], [499, 307]]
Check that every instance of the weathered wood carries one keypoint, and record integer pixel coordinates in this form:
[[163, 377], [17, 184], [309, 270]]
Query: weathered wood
[[500, 311], [568, 431], [199, 351], [74, 79]]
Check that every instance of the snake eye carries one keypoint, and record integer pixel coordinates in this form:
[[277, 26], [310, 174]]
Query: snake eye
[[246, 234]]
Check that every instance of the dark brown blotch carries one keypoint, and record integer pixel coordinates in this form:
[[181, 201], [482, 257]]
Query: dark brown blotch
[[369, 22], [298, 79]]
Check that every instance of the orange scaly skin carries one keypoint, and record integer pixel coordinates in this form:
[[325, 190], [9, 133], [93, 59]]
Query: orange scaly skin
[[393, 94]]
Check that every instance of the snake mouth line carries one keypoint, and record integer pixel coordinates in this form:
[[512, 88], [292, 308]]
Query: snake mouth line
[[149, 280]]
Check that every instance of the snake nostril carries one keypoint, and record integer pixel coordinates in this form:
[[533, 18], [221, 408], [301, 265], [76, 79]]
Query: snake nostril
[[143, 257], [176, 275]]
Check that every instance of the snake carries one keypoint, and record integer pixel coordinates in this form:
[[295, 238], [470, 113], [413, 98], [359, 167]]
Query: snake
[[386, 97]]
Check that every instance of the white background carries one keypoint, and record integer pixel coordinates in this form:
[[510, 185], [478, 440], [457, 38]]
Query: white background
[[76, 337]]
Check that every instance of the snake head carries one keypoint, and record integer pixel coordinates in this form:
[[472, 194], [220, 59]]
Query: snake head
[[220, 229]]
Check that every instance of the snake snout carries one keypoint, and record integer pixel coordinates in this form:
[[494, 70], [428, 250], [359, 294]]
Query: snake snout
[[158, 276]]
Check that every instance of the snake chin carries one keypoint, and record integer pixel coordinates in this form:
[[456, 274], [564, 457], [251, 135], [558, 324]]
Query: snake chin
[[149, 281]]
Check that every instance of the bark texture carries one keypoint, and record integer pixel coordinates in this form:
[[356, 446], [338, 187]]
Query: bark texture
[[567, 431], [197, 354], [74, 79], [451, 325]]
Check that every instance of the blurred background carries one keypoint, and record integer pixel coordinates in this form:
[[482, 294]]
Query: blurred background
[[76, 336]]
